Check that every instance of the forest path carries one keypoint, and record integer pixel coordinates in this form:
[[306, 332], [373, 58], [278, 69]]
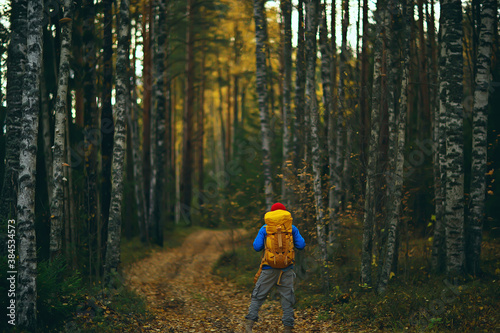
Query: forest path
[[184, 296]]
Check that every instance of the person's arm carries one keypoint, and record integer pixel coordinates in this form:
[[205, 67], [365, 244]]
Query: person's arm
[[260, 240], [298, 240]]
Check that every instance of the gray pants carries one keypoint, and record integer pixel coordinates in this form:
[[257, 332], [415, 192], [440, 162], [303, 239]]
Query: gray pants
[[268, 279]]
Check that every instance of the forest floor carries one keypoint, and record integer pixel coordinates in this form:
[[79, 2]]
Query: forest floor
[[184, 296]]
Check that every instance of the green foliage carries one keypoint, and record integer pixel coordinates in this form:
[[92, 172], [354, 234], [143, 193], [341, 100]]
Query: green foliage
[[59, 291]]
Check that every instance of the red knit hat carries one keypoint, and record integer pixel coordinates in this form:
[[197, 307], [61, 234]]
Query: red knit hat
[[277, 206]]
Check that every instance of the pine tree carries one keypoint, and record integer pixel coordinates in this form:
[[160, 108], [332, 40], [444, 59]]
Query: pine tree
[[286, 9]]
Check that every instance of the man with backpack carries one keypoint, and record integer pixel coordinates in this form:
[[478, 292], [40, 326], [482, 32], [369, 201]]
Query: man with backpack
[[278, 237]]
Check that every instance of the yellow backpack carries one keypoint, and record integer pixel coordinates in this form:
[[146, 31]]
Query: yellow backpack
[[279, 251]]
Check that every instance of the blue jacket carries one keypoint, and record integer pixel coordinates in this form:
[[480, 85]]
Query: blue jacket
[[260, 241]]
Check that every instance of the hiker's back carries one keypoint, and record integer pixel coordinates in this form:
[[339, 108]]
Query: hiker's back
[[279, 251]]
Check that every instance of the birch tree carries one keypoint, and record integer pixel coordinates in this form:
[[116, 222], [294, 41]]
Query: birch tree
[[300, 81], [27, 269], [57, 202], [312, 110], [261, 87], [328, 105], [394, 214], [122, 103], [371, 170], [286, 9], [451, 74], [479, 137]]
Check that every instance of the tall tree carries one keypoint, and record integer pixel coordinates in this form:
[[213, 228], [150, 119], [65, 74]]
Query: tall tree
[[187, 135], [27, 269], [397, 156], [91, 135], [122, 103], [300, 81], [286, 9], [107, 122], [371, 169], [479, 137], [57, 202], [328, 105], [312, 110], [158, 128], [16, 62], [451, 74], [261, 87]]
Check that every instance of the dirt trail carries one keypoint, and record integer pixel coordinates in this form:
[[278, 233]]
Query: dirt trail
[[188, 298]]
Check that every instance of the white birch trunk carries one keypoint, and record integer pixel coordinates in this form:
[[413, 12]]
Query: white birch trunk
[[479, 137], [451, 75], [122, 102], [27, 269], [261, 82]]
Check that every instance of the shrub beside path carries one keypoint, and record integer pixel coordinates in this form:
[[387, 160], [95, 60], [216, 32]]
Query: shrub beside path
[[184, 296]]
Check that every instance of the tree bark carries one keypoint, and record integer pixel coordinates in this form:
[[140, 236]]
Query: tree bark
[[261, 87], [57, 196], [107, 122], [451, 74], [122, 103], [312, 110], [479, 138], [371, 170], [300, 80], [328, 106], [286, 9], [396, 184], [187, 136], [27, 267], [158, 133]]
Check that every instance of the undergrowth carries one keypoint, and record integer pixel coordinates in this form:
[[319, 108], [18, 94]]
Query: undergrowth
[[415, 299]]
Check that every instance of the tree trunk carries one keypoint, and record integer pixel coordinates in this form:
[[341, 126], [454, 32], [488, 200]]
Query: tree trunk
[[107, 122], [27, 267], [158, 133], [201, 132], [46, 135], [396, 184], [122, 103], [451, 93], [91, 135], [286, 9], [146, 118], [261, 87], [16, 62], [363, 97], [312, 110], [479, 138], [57, 196], [328, 105], [338, 190], [371, 170], [187, 136]]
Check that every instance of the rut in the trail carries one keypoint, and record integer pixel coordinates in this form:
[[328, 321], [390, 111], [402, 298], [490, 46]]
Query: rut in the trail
[[185, 297]]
